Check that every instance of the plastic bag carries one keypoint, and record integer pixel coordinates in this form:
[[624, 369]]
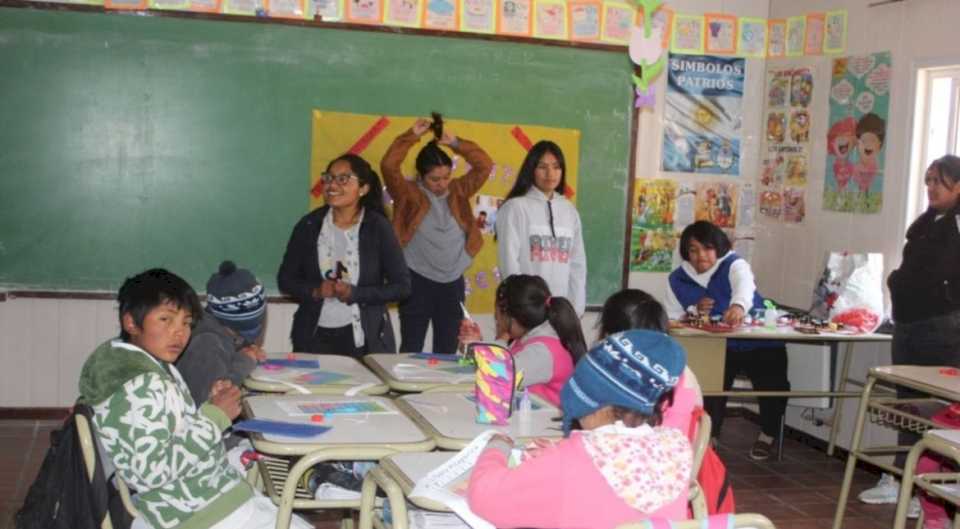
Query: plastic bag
[[850, 290]]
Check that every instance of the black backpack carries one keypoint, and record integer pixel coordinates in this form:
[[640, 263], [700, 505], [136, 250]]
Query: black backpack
[[62, 497]]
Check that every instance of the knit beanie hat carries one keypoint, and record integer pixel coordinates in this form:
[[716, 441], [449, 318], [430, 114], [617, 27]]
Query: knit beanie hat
[[235, 297], [631, 369]]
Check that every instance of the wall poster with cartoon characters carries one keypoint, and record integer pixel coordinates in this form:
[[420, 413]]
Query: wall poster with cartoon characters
[[652, 238], [856, 137], [702, 118], [786, 143]]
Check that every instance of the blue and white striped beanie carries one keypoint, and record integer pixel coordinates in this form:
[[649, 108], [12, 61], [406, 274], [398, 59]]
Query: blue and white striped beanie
[[235, 297], [630, 369]]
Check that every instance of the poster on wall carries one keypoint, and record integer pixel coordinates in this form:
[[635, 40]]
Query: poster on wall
[[786, 143], [702, 119], [652, 237], [717, 202], [856, 136]]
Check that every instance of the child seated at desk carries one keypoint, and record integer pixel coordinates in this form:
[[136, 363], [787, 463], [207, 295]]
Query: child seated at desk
[[621, 467], [544, 333], [162, 444]]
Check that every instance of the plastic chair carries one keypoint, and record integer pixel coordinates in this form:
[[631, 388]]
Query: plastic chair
[[717, 521], [696, 498], [89, 446]]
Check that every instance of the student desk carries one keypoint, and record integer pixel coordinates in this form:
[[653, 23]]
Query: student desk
[[706, 356], [362, 436], [396, 475], [450, 419], [336, 375], [405, 373], [892, 412]]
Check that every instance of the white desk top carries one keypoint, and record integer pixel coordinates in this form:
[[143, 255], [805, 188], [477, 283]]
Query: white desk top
[[451, 419], [780, 333], [353, 429], [335, 375], [942, 381], [403, 372]]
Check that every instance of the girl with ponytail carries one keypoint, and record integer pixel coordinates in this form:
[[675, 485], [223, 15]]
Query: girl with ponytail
[[543, 333], [434, 223]]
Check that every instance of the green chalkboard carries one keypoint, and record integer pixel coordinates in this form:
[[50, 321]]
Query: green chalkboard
[[129, 142]]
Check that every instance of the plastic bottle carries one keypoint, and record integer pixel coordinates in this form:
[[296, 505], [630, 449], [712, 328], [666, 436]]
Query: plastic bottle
[[770, 315], [523, 413]]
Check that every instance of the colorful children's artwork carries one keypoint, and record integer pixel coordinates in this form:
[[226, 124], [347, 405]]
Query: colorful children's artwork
[[771, 204], [752, 37], [584, 18], [485, 212], [835, 38], [777, 38], [550, 19], [179, 5], [652, 250], [687, 34], [662, 23], [441, 14], [285, 8], [859, 107], [328, 10], [346, 407], [127, 4], [721, 33], [776, 127], [477, 16], [364, 11], [800, 126], [796, 33], [617, 20], [801, 87], [786, 145], [515, 18], [402, 13], [794, 208], [796, 172], [813, 40], [319, 377], [702, 117], [653, 239], [717, 202]]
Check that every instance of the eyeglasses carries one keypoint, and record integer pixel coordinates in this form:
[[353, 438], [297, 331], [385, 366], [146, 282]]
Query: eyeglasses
[[340, 179]]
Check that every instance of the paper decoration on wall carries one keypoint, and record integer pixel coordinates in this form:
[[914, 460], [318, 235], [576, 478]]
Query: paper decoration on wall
[[515, 17], [794, 207], [702, 116], [662, 23], [616, 22], [786, 142], [477, 16], [856, 137], [796, 33], [328, 10], [404, 13], [771, 204], [746, 215], [584, 16], [550, 19], [752, 37], [777, 38], [721, 34], [125, 4], [645, 98], [652, 237], [813, 40], [485, 212], [835, 38], [181, 5], [285, 8], [687, 34], [441, 14], [648, 50], [717, 202], [364, 11]]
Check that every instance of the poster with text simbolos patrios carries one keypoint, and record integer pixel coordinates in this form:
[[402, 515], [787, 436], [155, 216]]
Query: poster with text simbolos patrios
[[857, 132], [702, 119]]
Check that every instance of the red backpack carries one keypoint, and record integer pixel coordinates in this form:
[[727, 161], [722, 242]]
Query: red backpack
[[713, 478]]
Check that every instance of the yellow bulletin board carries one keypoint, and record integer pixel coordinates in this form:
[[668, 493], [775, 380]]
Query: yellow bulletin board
[[369, 136]]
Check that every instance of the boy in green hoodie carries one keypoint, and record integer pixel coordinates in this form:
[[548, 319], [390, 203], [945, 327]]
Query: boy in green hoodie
[[161, 442]]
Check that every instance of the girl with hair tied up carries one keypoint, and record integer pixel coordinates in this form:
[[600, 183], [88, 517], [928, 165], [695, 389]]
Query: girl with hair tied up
[[435, 226]]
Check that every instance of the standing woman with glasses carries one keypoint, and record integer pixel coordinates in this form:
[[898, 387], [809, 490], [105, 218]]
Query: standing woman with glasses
[[343, 265], [434, 222], [538, 229]]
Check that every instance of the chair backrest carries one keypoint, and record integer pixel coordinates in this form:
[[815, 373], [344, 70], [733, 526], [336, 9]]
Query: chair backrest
[[700, 441], [92, 453], [717, 521]]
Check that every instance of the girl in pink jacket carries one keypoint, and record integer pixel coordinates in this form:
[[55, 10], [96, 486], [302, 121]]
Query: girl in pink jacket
[[620, 467]]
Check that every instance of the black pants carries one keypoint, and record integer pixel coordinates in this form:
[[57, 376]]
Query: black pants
[[930, 342], [335, 340], [767, 369], [436, 302]]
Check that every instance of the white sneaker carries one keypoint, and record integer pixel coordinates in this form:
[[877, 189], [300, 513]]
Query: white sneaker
[[913, 509], [885, 491]]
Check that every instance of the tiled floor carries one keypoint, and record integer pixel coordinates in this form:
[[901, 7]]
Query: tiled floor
[[797, 493]]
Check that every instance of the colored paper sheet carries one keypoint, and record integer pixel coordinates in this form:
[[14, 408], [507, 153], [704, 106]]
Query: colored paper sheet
[[328, 10], [286, 429], [721, 34], [717, 202], [302, 408], [584, 16], [317, 378], [776, 38], [478, 16], [515, 17], [813, 40], [796, 34], [856, 136], [364, 11], [550, 19], [701, 132], [687, 34], [440, 357], [178, 5], [125, 4], [662, 23], [403, 13], [286, 8], [835, 37], [652, 239], [243, 7], [617, 20], [441, 14], [295, 364], [752, 37]]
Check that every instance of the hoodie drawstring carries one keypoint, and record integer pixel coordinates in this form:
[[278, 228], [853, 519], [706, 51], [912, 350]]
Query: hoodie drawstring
[[550, 214]]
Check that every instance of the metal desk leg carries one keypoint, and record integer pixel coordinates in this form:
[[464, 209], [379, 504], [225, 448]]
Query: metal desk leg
[[906, 484], [838, 402], [852, 457], [374, 479]]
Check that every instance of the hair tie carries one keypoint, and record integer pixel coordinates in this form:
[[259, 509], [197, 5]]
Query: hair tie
[[547, 302]]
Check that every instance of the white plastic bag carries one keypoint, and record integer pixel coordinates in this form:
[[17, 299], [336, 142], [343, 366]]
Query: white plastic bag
[[850, 290]]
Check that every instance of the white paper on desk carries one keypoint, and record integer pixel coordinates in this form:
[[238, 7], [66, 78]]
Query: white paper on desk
[[415, 372], [442, 482]]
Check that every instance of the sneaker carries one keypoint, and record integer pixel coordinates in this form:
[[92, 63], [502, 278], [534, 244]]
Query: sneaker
[[885, 491], [762, 448], [913, 509]]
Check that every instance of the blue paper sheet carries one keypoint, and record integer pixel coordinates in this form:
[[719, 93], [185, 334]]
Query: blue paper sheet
[[284, 362], [436, 356], [288, 429]]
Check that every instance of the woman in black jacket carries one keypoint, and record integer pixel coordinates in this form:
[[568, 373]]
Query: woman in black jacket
[[343, 264]]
